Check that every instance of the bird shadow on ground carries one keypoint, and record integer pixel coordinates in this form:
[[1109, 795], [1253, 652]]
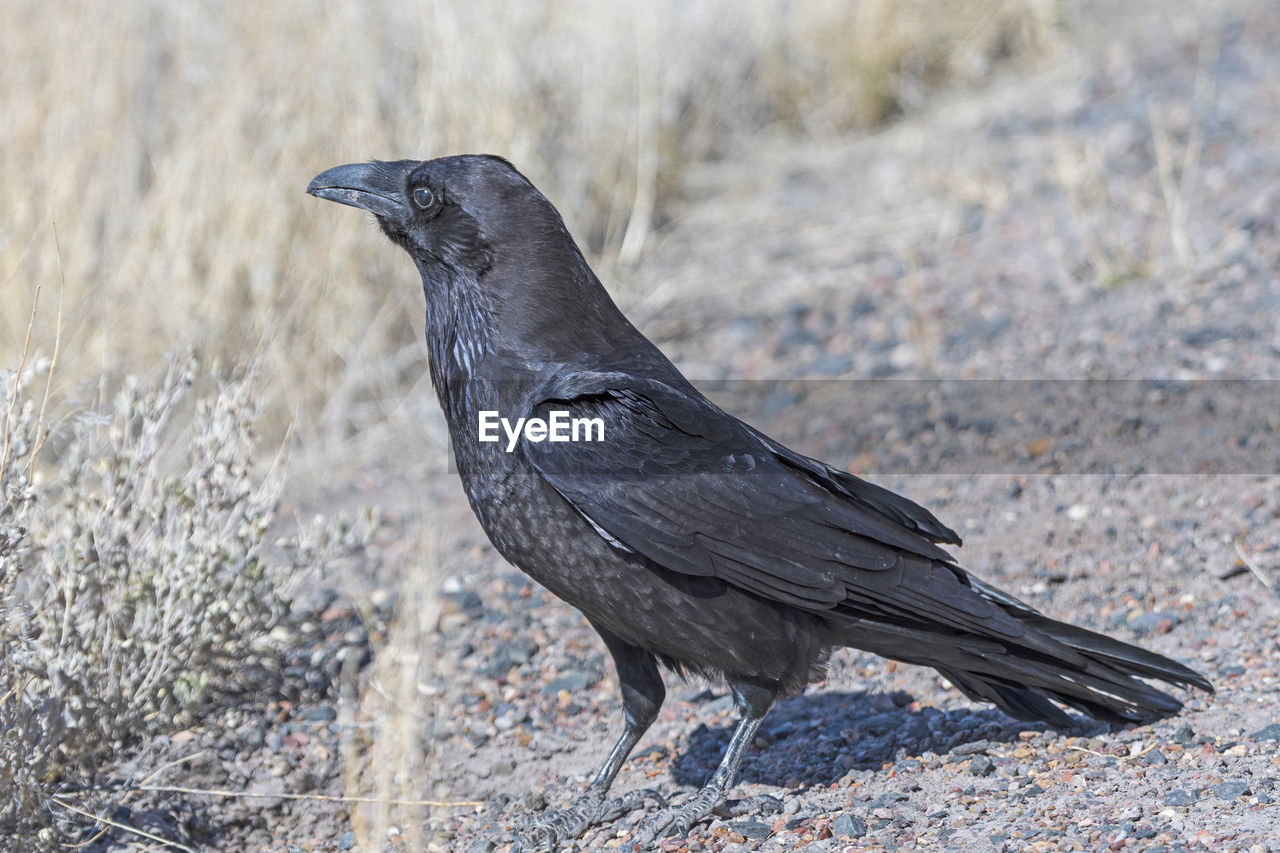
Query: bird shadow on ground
[[817, 738]]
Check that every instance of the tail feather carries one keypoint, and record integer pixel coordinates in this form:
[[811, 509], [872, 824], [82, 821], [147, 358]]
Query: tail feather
[[1107, 687], [1051, 665], [1019, 703], [1119, 655]]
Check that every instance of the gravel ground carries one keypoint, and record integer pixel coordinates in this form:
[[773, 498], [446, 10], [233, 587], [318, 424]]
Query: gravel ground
[[1053, 227]]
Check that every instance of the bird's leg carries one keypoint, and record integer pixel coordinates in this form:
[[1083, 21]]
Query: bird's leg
[[642, 695], [753, 703]]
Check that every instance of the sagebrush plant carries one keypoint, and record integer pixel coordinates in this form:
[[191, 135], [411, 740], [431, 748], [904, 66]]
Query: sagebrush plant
[[28, 734], [135, 586]]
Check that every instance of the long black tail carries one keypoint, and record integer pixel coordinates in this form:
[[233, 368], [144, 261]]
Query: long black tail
[[997, 649], [1099, 675]]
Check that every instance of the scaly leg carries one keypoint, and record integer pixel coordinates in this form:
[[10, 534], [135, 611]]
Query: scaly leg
[[753, 703], [642, 695]]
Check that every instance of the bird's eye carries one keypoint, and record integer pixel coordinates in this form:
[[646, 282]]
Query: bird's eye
[[423, 197]]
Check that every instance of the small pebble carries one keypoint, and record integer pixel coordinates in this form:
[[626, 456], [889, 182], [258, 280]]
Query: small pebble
[[1230, 790], [752, 829], [887, 799], [1156, 622], [319, 714], [972, 748], [848, 826], [980, 765]]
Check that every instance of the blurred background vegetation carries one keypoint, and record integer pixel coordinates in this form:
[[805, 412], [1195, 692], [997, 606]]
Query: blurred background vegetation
[[169, 144]]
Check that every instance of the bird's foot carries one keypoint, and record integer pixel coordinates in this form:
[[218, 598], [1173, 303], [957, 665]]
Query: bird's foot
[[548, 832], [678, 820]]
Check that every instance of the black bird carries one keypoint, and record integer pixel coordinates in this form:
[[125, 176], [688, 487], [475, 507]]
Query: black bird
[[686, 537]]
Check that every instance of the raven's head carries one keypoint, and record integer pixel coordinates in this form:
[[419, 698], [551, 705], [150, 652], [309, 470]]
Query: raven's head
[[450, 212], [481, 233]]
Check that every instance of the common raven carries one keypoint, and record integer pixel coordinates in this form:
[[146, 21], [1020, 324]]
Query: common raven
[[687, 537]]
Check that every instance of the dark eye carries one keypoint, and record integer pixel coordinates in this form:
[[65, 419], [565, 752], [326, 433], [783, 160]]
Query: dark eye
[[423, 197]]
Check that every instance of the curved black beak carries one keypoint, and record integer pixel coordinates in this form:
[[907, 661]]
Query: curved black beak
[[378, 187]]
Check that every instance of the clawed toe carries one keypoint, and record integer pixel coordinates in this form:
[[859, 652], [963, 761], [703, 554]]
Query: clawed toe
[[536, 839], [761, 804], [628, 802], [546, 833], [677, 820]]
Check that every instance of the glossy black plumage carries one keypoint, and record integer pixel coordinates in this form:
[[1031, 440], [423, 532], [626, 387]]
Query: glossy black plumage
[[686, 536]]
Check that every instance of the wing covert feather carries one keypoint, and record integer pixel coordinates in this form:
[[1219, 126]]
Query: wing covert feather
[[695, 490]]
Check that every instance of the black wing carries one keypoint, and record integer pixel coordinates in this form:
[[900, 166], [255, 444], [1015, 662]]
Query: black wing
[[697, 491]]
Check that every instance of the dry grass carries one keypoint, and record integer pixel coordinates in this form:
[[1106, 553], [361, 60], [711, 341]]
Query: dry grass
[[171, 143], [386, 748], [1153, 206]]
